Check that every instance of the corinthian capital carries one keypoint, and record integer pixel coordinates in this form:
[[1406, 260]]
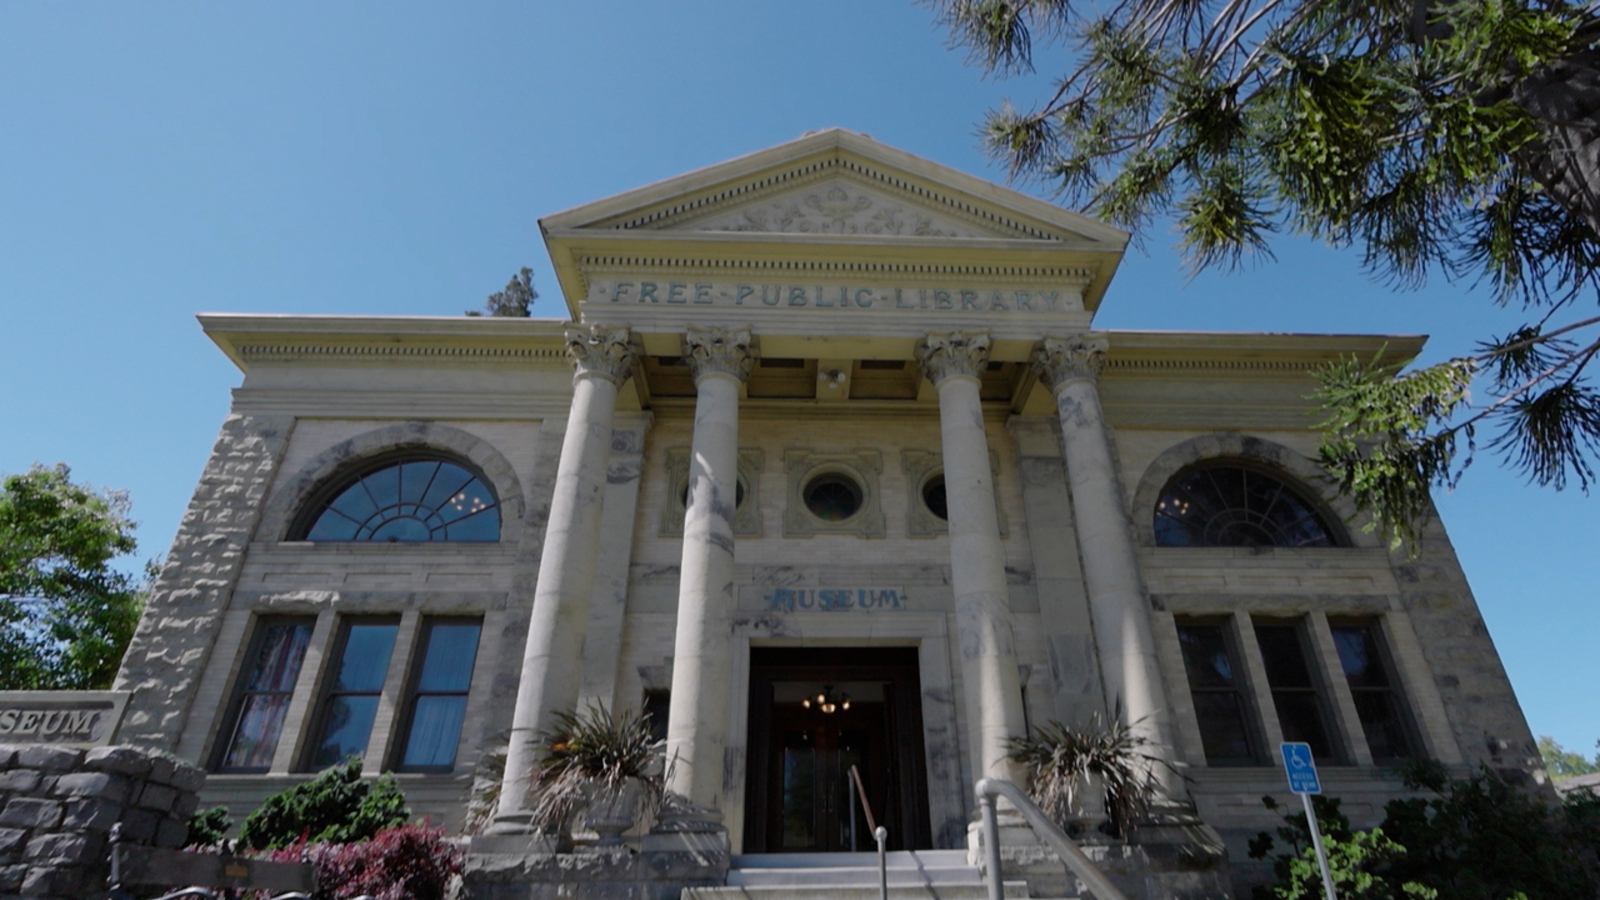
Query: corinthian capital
[[602, 351], [956, 353], [718, 351], [1061, 360]]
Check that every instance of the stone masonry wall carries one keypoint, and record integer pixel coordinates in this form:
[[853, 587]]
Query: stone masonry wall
[[169, 650], [57, 806]]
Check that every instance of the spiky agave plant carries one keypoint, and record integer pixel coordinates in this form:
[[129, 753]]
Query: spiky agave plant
[[592, 750], [1060, 760]]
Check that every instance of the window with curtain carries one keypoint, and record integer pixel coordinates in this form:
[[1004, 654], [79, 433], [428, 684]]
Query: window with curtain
[[438, 701], [350, 694], [1223, 505], [1372, 683], [404, 500], [277, 650], [1217, 685]]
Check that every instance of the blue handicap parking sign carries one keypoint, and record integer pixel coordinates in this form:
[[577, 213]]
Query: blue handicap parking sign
[[1302, 768]]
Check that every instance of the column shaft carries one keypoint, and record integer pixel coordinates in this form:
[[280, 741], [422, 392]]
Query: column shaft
[[1117, 605], [977, 557], [551, 660], [697, 718]]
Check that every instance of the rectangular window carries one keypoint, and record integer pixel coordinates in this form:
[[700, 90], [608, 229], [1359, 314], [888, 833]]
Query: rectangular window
[[350, 694], [272, 664], [1216, 684], [656, 703], [438, 701], [1301, 706], [1372, 685]]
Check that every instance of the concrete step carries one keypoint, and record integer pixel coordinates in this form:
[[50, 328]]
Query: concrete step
[[897, 859], [1016, 890]]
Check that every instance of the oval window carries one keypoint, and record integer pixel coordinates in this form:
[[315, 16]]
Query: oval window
[[833, 497], [933, 497]]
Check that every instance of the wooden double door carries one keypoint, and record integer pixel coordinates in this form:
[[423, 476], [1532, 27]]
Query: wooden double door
[[800, 796]]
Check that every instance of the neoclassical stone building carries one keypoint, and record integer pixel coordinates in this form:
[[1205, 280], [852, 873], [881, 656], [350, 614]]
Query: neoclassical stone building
[[829, 467]]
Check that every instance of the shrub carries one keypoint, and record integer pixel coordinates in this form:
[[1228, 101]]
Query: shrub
[[405, 863], [1476, 838], [336, 807], [208, 827]]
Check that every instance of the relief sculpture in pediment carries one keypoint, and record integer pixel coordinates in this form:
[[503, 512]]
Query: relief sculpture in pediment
[[836, 210]]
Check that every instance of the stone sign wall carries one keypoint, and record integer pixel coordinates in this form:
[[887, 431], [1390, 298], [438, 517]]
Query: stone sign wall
[[77, 718], [57, 806]]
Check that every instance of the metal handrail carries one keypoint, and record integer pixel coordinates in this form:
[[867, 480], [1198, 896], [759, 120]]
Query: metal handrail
[[1077, 862], [879, 833]]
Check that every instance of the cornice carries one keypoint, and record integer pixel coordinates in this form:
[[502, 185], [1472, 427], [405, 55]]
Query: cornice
[[247, 338], [406, 406]]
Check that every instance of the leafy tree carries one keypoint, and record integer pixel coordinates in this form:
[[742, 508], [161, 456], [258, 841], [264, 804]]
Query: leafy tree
[[1439, 137], [515, 300], [336, 807], [1563, 763], [65, 616]]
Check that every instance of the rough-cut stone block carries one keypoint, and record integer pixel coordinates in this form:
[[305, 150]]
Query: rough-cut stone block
[[185, 805], [92, 814], [47, 756], [8, 754], [12, 840], [19, 781], [11, 877], [158, 797], [125, 760], [53, 881], [171, 833], [70, 848], [139, 825], [26, 812], [188, 778], [161, 769], [93, 784]]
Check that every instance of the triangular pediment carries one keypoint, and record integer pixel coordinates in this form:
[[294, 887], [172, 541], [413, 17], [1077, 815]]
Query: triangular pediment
[[827, 197]]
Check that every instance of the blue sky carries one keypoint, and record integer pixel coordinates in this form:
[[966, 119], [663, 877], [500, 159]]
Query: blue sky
[[159, 160]]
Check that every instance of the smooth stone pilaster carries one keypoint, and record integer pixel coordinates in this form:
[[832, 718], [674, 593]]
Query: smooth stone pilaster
[[977, 557], [1117, 605], [552, 658], [697, 719]]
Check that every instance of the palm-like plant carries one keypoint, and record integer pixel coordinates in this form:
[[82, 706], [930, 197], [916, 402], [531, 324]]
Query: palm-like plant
[[594, 751], [1061, 760]]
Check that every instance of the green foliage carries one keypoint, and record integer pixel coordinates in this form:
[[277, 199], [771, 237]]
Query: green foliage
[[1450, 138], [594, 749], [336, 807], [208, 827], [1356, 859], [1060, 760], [1563, 763], [1477, 838], [65, 616], [514, 301]]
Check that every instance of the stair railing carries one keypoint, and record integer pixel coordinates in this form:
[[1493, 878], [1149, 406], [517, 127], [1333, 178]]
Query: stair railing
[[879, 833], [1077, 862]]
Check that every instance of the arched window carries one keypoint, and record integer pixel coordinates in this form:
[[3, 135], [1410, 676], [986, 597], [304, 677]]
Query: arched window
[[1230, 505], [410, 499]]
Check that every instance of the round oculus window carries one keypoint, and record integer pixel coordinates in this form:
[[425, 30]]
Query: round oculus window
[[933, 497], [833, 497]]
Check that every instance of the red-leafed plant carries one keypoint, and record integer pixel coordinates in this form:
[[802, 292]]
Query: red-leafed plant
[[410, 862]]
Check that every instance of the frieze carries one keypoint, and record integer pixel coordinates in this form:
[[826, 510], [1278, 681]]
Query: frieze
[[836, 297], [837, 210]]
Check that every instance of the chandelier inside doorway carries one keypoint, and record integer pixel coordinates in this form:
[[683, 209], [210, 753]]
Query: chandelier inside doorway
[[827, 701]]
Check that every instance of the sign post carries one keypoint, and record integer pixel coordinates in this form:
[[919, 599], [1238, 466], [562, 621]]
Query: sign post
[[1302, 770]]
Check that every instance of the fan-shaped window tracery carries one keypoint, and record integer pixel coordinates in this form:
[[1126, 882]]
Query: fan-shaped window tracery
[[1223, 505], [406, 500]]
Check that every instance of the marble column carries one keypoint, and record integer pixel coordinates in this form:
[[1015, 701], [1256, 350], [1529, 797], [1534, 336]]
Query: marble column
[[977, 558], [552, 657], [697, 718], [1117, 606]]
